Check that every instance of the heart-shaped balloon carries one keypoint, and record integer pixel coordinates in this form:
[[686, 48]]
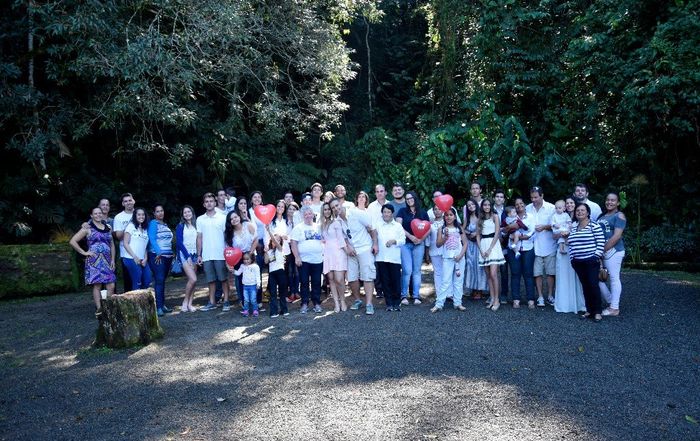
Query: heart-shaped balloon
[[420, 228], [444, 202], [232, 255], [265, 213]]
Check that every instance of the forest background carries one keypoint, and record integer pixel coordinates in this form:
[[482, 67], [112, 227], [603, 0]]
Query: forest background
[[168, 99]]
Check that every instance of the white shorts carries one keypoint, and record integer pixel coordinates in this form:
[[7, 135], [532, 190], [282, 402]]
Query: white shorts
[[361, 267]]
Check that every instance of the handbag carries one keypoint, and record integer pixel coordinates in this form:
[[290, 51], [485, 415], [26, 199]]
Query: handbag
[[603, 274], [176, 268]]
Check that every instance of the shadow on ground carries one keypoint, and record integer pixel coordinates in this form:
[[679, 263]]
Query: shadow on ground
[[509, 375]]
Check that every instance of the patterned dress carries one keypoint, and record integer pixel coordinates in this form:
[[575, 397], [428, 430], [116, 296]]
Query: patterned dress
[[98, 267], [475, 279]]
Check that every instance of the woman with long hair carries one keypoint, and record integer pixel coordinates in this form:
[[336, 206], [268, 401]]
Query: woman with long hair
[[413, 251], [290, 264], [490, 252], [186, 236], [475, 279], [239, 234], [135, 243], [613, 223], [568, 294], [335, 258]]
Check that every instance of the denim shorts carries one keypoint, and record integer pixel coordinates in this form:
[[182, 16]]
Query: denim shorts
[[215, 270]]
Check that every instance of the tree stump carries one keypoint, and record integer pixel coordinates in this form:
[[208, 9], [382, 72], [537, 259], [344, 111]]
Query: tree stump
[[128, 319]]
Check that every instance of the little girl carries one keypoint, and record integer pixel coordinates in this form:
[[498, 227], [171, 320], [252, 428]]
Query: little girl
[[561, 223], [453, 240], [251, 282]]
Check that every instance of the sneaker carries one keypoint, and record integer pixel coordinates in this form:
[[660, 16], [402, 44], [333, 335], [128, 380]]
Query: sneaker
[[318, 309], [460, 308], [404, 301], [255, 313], [550, 300], [397, 308], [435, 309], [244, 313], [357, 304], [389, 309], [285, 314], [274, 315], [208, 307], [540, 302], [304, 309], [226, 307], [379, 295], [261, 308], [417, 301], [160, 312], [369, 310], [166, 309]]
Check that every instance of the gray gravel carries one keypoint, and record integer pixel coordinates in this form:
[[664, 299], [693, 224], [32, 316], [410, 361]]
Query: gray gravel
[[510, 375]]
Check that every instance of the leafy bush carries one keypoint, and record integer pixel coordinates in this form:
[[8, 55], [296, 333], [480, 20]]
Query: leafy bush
[[670, 243]]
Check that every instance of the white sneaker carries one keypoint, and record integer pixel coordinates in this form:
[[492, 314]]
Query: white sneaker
[[417, 301], [404, 302]]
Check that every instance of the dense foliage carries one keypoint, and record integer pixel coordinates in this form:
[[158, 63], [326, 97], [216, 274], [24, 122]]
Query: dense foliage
[[169, 98]]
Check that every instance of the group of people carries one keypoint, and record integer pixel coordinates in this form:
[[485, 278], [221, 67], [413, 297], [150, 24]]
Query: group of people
[[558, 251]]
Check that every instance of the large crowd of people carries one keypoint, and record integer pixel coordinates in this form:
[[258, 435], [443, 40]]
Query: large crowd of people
[[567, 254]]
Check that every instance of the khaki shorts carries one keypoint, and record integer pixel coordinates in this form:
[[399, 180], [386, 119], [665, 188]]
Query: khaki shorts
[[545, 265], [361, 267]]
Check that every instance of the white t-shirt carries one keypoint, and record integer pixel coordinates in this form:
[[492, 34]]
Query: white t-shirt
[[308, 239], [545, 244], [120, 223], [435, 225], [278, 263], [595, 210], [138, 242], [189, 239], [212, 230], [374, 209], [358, 221]]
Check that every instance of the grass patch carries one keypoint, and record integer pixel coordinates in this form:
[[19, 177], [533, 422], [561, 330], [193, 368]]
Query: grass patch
[[93, 352], [692, 279]]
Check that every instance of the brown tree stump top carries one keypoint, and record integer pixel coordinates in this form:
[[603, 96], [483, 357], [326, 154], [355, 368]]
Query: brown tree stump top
[[128, 319]]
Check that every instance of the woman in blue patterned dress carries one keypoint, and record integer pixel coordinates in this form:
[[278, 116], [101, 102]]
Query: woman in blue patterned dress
[[99, 262], [475, 280]]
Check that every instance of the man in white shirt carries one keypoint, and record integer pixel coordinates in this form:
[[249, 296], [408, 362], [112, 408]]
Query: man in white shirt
[[375, 207], [316, 201], [361, 249], [499, 202], [340, 193], [210, 250], [545, 245], [121, 220], [581, 193]]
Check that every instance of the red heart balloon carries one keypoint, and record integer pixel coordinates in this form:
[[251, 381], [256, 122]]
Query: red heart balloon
[[420, 228], [265, 213], [444, 202], [232, 255]]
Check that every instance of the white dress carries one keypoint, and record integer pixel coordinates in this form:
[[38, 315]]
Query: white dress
[[496, 255], [568, 296]]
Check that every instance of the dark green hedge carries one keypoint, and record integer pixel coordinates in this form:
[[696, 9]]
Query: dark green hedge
[[31, 270]]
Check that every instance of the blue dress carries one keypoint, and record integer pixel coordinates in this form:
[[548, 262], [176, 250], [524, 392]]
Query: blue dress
[[475, 279], [98, 267]]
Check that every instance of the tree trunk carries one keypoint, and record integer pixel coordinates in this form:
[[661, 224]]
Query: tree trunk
[[128, 319]]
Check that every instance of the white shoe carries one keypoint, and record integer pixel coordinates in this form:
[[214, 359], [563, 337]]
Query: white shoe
[[417, 301], [404, 302]]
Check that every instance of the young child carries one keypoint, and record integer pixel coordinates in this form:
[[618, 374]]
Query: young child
[[561, 222], [514, 237], [251, 283]]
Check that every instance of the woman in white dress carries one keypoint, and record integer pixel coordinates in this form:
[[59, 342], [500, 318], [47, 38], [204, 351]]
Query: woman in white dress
[[568, 295], [490, 252]]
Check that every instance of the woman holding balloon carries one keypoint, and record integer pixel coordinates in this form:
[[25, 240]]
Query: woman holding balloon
[[413, 250]]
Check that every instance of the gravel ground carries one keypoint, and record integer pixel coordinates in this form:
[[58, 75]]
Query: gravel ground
[[510, 375]]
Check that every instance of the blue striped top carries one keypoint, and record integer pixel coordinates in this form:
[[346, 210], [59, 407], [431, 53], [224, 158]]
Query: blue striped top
[[586, 243]]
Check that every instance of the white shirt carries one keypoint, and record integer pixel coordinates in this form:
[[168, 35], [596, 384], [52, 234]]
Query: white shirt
[[278, 263], [545, 244], [212, 230], [120, 223], [308, 239], [189, 238], [435, 225], [595, 209], [137, 242], [387, 231], [251, 274], [358, 222], [374, 209], [527, 245]]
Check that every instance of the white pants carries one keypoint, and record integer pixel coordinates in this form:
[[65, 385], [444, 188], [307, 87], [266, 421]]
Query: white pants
[[612, 260], [437, 272], [452, 284]]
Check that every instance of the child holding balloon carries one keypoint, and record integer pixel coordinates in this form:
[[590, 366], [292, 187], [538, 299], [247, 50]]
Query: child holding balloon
[[250, 273], [453, 240]]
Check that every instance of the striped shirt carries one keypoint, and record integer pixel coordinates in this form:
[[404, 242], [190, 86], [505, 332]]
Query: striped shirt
[[587, 242]]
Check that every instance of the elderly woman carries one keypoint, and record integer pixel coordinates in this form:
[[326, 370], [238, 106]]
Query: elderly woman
[[586, 242], [613, 223], [390, 238], [307, 248]]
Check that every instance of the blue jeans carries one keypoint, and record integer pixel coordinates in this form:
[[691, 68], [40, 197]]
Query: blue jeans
[[160, 273], [504, 278], [292, 274], [310, 272], [277, 282], [411, 261], [140, 275], [250, 294], [522, 267]]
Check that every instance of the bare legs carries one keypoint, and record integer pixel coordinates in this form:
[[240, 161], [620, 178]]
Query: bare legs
[[369, 290], [189, 271], [494, 288], [336, 282]]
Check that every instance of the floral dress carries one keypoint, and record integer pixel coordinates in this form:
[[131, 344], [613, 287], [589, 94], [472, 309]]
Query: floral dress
[[98, 268]]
